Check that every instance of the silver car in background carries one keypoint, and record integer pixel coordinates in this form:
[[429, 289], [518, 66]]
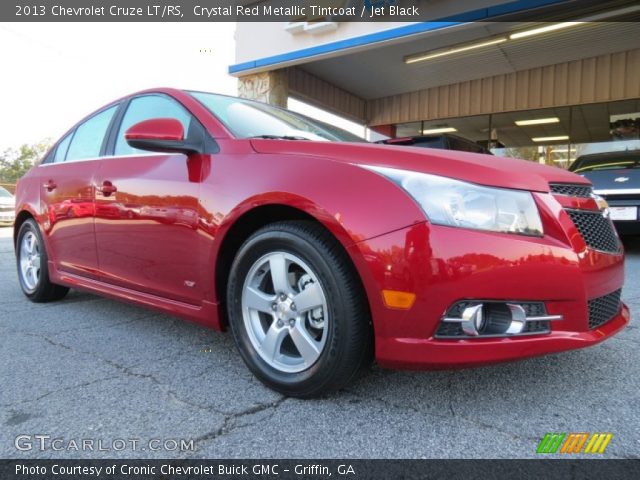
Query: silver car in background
[[7, 207]]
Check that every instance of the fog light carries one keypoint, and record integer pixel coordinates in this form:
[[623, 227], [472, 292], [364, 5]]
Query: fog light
[[473, 320], [495, 319]]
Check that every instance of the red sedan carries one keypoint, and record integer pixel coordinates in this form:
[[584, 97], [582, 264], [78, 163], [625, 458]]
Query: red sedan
[[318, 250]]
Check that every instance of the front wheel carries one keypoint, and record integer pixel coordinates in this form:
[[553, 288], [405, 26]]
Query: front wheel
[[297, 310], [32, 262]]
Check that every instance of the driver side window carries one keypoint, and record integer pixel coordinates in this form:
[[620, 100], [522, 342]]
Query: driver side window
[[145, 108]]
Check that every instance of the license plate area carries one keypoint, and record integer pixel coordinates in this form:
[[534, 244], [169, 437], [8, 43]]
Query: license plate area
[[623, 213]]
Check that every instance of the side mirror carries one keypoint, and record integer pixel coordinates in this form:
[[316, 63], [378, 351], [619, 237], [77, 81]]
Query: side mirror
[[160, 135]]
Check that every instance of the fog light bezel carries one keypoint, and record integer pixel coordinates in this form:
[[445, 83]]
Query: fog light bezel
[[472, 317]]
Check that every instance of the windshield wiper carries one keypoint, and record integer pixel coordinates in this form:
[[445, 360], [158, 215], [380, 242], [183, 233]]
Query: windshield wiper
[[279, 137]]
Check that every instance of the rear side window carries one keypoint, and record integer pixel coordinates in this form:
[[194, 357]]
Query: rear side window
[[434, 142], [464, 146], [88, 137], [606, 162], [145, 108], [61, 150]]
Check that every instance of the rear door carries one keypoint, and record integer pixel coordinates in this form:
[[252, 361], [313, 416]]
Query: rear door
[[147, 219], [67, 195]]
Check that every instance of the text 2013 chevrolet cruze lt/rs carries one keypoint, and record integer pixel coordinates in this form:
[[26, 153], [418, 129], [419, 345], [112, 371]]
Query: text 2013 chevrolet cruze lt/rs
[[318, 250]]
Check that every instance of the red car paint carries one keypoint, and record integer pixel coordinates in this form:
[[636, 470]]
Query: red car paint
[[149, 229]]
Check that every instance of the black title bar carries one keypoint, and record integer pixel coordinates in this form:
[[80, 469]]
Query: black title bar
[[317, 469], [308, 10]]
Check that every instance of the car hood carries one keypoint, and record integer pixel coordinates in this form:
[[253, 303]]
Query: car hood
[[472, 167], [618, 179], [7, 202]]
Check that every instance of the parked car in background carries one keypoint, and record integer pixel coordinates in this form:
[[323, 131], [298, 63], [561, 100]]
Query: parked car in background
[[616, 178], [443, 142], [7, 207], [319, 251]]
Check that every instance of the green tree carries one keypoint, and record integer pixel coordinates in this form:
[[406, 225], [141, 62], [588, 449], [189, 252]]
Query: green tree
[[525, 153], [15, 163]]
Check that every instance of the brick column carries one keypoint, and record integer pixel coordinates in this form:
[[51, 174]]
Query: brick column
[[270, 87]]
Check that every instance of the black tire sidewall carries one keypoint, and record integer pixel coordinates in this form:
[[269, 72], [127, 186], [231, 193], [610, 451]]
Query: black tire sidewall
[[308, 250]]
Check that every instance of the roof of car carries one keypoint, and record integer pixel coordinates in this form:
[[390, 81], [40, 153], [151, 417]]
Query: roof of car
[[606, 155], [594, 160]]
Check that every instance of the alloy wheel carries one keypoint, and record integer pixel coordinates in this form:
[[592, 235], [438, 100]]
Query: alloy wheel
[[285, 312], [30, 261]]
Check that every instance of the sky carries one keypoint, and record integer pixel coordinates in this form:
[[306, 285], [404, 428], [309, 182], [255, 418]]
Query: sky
[[53, 74]]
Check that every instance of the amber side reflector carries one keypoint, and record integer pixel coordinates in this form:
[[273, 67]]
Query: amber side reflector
[[396, 299]]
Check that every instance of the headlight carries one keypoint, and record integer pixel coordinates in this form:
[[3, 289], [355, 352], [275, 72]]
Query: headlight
[[451, 202]]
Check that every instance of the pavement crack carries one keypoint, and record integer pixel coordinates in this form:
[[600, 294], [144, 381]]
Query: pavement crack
[[229, 423], [78, 386], [450, 389], [121, 368], [129, 371]]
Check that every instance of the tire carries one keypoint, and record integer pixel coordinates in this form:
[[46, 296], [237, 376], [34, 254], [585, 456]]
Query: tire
[[32, 263], [330, 325]]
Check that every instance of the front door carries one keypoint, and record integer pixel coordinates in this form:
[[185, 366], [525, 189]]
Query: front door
[[147, 216]]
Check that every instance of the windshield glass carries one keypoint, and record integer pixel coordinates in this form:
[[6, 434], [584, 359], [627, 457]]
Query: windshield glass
[[605, 163], [4, 193], [249, 119]]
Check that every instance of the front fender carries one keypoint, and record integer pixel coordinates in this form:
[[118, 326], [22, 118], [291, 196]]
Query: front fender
[[353, 203]]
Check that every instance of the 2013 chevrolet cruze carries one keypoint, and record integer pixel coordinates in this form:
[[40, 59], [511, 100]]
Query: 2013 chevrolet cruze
[[317, 249]]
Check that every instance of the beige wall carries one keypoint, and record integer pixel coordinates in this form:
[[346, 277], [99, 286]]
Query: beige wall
[[316, 91], [598, 79]]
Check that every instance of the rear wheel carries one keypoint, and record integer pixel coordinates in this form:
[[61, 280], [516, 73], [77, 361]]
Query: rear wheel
[[297, 310], [32, 265]]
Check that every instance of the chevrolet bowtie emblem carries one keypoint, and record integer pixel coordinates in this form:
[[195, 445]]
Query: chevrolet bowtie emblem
[[621, 179]]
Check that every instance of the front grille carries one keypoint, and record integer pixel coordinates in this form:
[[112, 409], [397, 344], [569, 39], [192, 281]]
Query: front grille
[[6, 209], [603, 309], [571, 190], [597, 230], [450, 329]]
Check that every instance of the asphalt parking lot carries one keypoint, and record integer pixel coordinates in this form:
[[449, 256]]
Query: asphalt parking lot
[[91, 368]]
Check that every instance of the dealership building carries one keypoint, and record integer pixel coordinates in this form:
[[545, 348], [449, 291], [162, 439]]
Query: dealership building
[[477, 70]]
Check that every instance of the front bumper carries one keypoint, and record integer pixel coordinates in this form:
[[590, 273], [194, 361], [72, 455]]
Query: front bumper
[[444, 265], [412, 353]]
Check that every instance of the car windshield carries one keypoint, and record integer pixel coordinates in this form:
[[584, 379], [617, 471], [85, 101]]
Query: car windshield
[[605, 163], [4, 193], [249, 119]]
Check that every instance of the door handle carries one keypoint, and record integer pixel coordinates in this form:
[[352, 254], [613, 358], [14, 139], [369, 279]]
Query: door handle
[[50, 185], [107, 188]]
